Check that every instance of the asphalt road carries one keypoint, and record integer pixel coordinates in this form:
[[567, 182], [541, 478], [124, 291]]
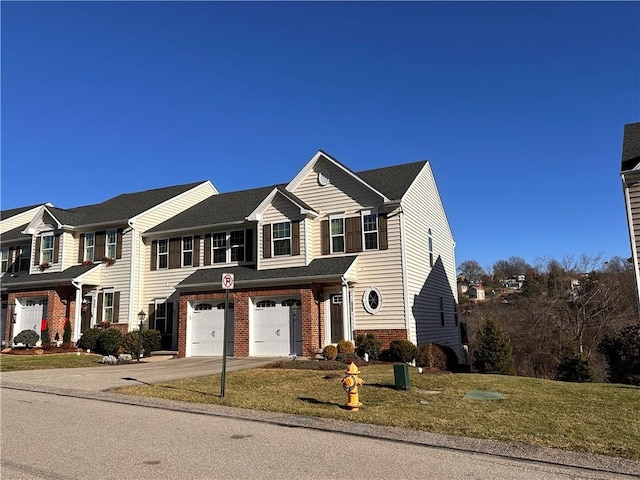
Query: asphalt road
[[65, 424], [97, 439]]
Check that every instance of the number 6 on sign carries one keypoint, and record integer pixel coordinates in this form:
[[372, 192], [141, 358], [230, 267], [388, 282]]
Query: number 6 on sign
[[227, 281]]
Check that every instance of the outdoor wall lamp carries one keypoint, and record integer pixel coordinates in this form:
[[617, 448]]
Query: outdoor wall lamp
[[141, 316]]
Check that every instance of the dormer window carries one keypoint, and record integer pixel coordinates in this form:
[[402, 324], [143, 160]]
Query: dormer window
[[46, 248], [281, 234]]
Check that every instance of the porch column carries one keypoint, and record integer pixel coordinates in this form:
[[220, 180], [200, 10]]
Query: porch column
[[347, 332], [77, 315]]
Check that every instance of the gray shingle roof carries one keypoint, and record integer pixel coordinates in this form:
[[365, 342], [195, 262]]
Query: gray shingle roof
[[15, 234], [24, 280], [215, 210], [4, 214], [321, 268], [631, 146], [120, 208], [393, 181]]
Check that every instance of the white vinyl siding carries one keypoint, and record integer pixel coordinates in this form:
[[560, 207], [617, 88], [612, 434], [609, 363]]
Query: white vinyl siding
[[18, 220], [426, 285], [281, 210]]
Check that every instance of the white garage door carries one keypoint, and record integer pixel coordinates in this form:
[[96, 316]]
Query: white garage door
[[277, 327], [207, 330], [30, 315]]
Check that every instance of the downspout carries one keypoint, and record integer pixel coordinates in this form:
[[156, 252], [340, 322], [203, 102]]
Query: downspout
[[132, 278], [347, 321], [78, 310], [405, 280]]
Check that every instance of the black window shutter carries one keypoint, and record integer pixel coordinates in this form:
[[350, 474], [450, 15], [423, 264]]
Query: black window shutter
[[196, 251], [100, 239], [248, 245], [266, 241], [116, 306], [154, 255], [36, 257], [81, 248], [152, 316], [295, 238], [207, 249], [119, 243], [353, 235], [324, 235], [56, 248], [99, 309], [383, 243], [175, 251]]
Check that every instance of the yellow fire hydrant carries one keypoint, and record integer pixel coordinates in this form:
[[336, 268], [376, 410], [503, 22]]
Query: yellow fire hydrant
[[350, 383]]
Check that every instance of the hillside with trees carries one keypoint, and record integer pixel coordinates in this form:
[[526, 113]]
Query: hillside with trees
[[560, 317]]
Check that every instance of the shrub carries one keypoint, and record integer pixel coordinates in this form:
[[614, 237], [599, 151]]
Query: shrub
[[151, 341], [345, 346], [402, 351], [574, 368], [66, 336], [109, 341], [45, 337], [28, 337], [330, 352], [89, 339], [368, 343], [348, 358], [494, 353], [431, 355], [622, 352]]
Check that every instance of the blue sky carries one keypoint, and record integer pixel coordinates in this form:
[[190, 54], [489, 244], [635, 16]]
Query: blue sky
[[519, 106]]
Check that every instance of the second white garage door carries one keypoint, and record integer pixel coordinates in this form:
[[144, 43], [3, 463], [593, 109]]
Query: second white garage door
[[277, 327], [207, 330]]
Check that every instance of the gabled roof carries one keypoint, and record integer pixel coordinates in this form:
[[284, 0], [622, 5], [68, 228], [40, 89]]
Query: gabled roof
[[5, 214], [25, 280], [15, 234], [631, 147], [318, 270], [289, 196], [393, 181], [224, 208], [118, 209]]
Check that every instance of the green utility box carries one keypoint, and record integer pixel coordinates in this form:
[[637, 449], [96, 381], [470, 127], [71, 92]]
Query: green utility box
[[401, 375]]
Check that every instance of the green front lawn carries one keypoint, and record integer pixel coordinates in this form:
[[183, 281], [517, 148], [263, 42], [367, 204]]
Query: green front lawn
[[10, 363], [592, 418]]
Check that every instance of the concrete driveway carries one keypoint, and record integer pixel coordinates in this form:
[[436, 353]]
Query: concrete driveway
[[104, 377]]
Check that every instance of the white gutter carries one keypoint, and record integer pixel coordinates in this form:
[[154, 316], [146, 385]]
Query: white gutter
[[347, 321], [132, 278], [405, 278], [77, 316]]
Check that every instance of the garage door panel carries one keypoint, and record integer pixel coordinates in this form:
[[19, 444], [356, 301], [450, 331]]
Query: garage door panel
[[273, 329], [207, 331]]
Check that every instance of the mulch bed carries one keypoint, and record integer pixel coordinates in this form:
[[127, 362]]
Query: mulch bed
[[46, 350]]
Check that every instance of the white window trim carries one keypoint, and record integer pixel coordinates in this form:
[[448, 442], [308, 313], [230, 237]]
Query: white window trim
[[113, 244], [274, 240], [162, 254], [43, 249], [364, 213], [365, 300], [85, 256], [4, 253], [23, 255], [105, 308], [228, 246], [343, 235], [186, 250]]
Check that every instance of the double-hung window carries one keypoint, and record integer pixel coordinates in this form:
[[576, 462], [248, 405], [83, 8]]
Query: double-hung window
[[337, 234], [24, 257], [46, 249], [163, 253], [370, 230], [4, 260], [236, 244], [281, 234], [89, 246], [110, 244], [187, 251], [219, 246], [107, 307]]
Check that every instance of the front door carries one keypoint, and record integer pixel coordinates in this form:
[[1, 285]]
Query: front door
[[85, 314], [163, 322], [337, 328]]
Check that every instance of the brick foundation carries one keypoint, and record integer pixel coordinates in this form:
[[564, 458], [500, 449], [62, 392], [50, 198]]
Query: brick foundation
[[386, 336]]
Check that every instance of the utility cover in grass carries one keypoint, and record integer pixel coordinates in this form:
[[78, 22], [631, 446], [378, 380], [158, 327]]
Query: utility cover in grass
[[482, 395]]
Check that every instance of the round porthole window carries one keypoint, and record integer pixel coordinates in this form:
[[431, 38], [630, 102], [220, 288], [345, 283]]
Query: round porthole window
[[372, 300], [323, 177]]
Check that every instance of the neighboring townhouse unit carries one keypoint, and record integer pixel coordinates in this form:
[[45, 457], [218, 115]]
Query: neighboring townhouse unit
[[630, 174], [84, 263], [328, 256]]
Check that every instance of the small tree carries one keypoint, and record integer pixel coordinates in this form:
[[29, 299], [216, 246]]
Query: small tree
[[45, 337], [494, 353], [27, 337], [66, 336], [368, 343], [622, 352], [574, 368]]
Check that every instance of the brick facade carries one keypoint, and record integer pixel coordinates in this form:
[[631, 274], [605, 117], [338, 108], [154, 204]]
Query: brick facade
[[312, 311], [386, 336]]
